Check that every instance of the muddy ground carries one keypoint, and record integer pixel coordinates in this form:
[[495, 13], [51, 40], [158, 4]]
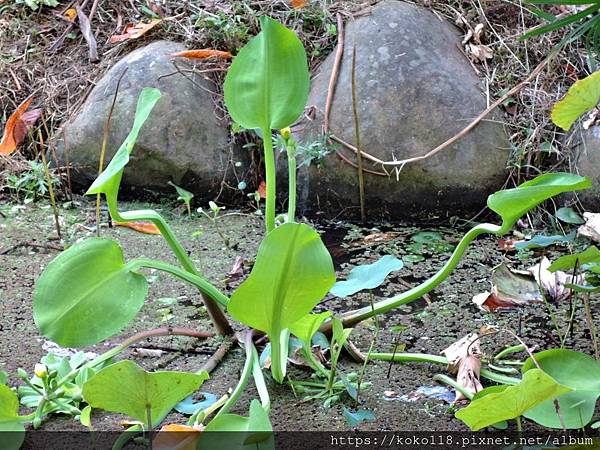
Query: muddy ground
[[429, 328]]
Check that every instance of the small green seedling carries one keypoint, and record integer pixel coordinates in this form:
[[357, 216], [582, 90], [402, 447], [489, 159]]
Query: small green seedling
[[185, 196], [213, 216]]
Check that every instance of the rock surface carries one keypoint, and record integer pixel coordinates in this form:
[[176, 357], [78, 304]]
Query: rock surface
[[587, 162], [182, 141], [415, 90]]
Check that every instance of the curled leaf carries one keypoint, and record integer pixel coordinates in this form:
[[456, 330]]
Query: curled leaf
[[134, 31], [142, 227], [203, 54], [17, 126]]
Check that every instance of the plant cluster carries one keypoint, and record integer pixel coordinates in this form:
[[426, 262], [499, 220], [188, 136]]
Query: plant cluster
[[266, 89]]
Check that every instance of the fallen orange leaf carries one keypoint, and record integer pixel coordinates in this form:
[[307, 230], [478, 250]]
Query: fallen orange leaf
[[177, 437], [17, 126], [203, 53], [262, 189], [297, 4], [142, 227], [70, 14], [134, 31]]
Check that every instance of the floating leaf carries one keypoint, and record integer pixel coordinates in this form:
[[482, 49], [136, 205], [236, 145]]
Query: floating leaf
[[545, 241], [142, 227], [577, 371], [267, 84], [134, 31], [353, 419], [125, 387], [108, 181], [292, 273], [368, 276], [581, 97], [568, 262], [17, 126], [511, 204], [87, 293], [535, 388], [189, 406], [203, 54], [568, 215], [11, 427]]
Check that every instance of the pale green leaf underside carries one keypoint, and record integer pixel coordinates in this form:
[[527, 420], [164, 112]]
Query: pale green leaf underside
[[267, 84], [87, 293], [511, 204], [109, 179], [126, 388], [367, 276], [512, 402], [581, 97], [292, 273], [307, 326], [579, 372]]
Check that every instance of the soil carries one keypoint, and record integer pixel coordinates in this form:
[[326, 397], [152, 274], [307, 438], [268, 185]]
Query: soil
[[429, 328]]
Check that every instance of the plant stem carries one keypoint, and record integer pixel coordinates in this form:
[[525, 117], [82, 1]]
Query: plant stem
[[361, 179], [591, 324], [204, 286], [50, 186], [509, 351], [371, 346], [450, 382], [435, 359], [291, 157], [214, 311], [352, 317], [270, 180]]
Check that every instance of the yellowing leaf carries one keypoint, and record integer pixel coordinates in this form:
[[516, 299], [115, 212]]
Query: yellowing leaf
[[581, 97], [177, 437], [297, 4], [70, 14], [134, 31], [203, 54], [142, 227], [17, 126]]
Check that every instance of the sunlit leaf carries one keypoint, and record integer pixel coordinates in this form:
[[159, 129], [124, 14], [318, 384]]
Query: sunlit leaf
[[87, 293], [126, 388], [292, 273], [512, 402], [577, 371], [511, 204], [581, 97], [267, 84], [305, 328], [109, 180]]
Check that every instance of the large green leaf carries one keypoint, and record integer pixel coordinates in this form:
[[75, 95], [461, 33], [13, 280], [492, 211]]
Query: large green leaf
[[87, 293], [292, 273], [511, 204], [367, 276], [305, 328], [567, 262], [12, 430], [581, 97], [234, 432], [126, 388], [579, 372], [512, 402], [109, 180], [267, 84]]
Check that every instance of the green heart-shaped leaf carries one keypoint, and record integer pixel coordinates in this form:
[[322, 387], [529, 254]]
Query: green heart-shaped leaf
[[292, 273], [267, 84], [511, 204], [577, 371], [87, 293], [512, 402], [567, 262], [12, 430], [305, 328], [109, 180], [367, 276], [126, 388], [581, 97]]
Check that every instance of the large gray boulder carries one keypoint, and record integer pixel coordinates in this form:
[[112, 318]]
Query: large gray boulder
[[182, 141], [587, 162], [415, 90]]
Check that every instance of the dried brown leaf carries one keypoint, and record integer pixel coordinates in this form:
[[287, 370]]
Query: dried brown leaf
[[142, 227], [17, 126], [203, 54], [553, 283], [468, 345], [468, 375], [134, 31]]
